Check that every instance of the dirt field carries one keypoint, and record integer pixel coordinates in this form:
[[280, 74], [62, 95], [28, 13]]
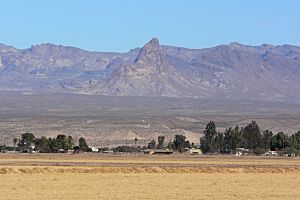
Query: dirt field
[[95, 176]]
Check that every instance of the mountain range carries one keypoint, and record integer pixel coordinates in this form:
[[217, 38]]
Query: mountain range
[[233, 71]]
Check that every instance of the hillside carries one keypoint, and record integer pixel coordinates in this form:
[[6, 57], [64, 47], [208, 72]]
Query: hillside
[[232, 71]]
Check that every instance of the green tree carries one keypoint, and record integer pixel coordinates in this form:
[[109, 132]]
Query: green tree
[[280, 141], [64, 142], [179, 143], [42, 145], [70, 142], [252, 136], [295, 141], [219, 142], [228, 140], [267, 139], [61, 141], [53, 146], [26, 140], [237, 137], [83, 145], [208, 142], [161, 140]]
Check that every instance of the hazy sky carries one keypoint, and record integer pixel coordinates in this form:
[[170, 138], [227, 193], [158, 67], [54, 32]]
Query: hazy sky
[[119, 25]]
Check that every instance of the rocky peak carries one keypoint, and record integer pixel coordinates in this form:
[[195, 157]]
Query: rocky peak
[[150, 53], [153, 42]]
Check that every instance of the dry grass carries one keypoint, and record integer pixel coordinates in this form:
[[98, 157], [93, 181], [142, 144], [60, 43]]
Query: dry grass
[[150, 186], [147, 177], [138, 170]]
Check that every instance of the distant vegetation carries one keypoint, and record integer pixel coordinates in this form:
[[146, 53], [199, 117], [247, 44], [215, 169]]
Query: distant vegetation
[[250, 138], [61, 143], [179, 144], [232, 140]]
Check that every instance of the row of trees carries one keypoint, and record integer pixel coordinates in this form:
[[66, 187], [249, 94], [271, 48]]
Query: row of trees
[[179, 143], [51, 145], [249, 137]]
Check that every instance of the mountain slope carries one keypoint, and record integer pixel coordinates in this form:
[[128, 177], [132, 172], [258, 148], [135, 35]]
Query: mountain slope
[[233, 71]]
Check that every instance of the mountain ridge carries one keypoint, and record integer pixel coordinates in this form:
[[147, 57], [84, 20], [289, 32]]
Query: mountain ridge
[[234, 71]]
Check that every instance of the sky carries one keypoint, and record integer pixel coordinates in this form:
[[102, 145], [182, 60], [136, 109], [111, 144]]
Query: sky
[[121, 25]]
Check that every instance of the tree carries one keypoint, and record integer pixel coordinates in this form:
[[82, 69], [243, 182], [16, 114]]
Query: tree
[[61, 141], [42, 145], [208, 142], [228, 140], [53, 146], [26, 140], [64, 142], [252, 136], [160, 140], [70, 142], [237, 137], [219, 142], [279, 141], [83, 145], [152, 144], [179, 143], [295, 140], [267, 139]]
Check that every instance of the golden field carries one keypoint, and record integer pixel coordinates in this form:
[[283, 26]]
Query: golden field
[[96, 176]]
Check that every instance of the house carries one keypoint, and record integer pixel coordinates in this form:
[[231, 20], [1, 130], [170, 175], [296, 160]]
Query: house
[[108, 151], [271, 153], [94, 149], [290, 155], [27, 149], [70, 151], [241, 151], [61, 151], [158, 151], [194, 151]]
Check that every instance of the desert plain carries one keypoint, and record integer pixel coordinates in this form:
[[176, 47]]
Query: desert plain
[[100, 176]]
